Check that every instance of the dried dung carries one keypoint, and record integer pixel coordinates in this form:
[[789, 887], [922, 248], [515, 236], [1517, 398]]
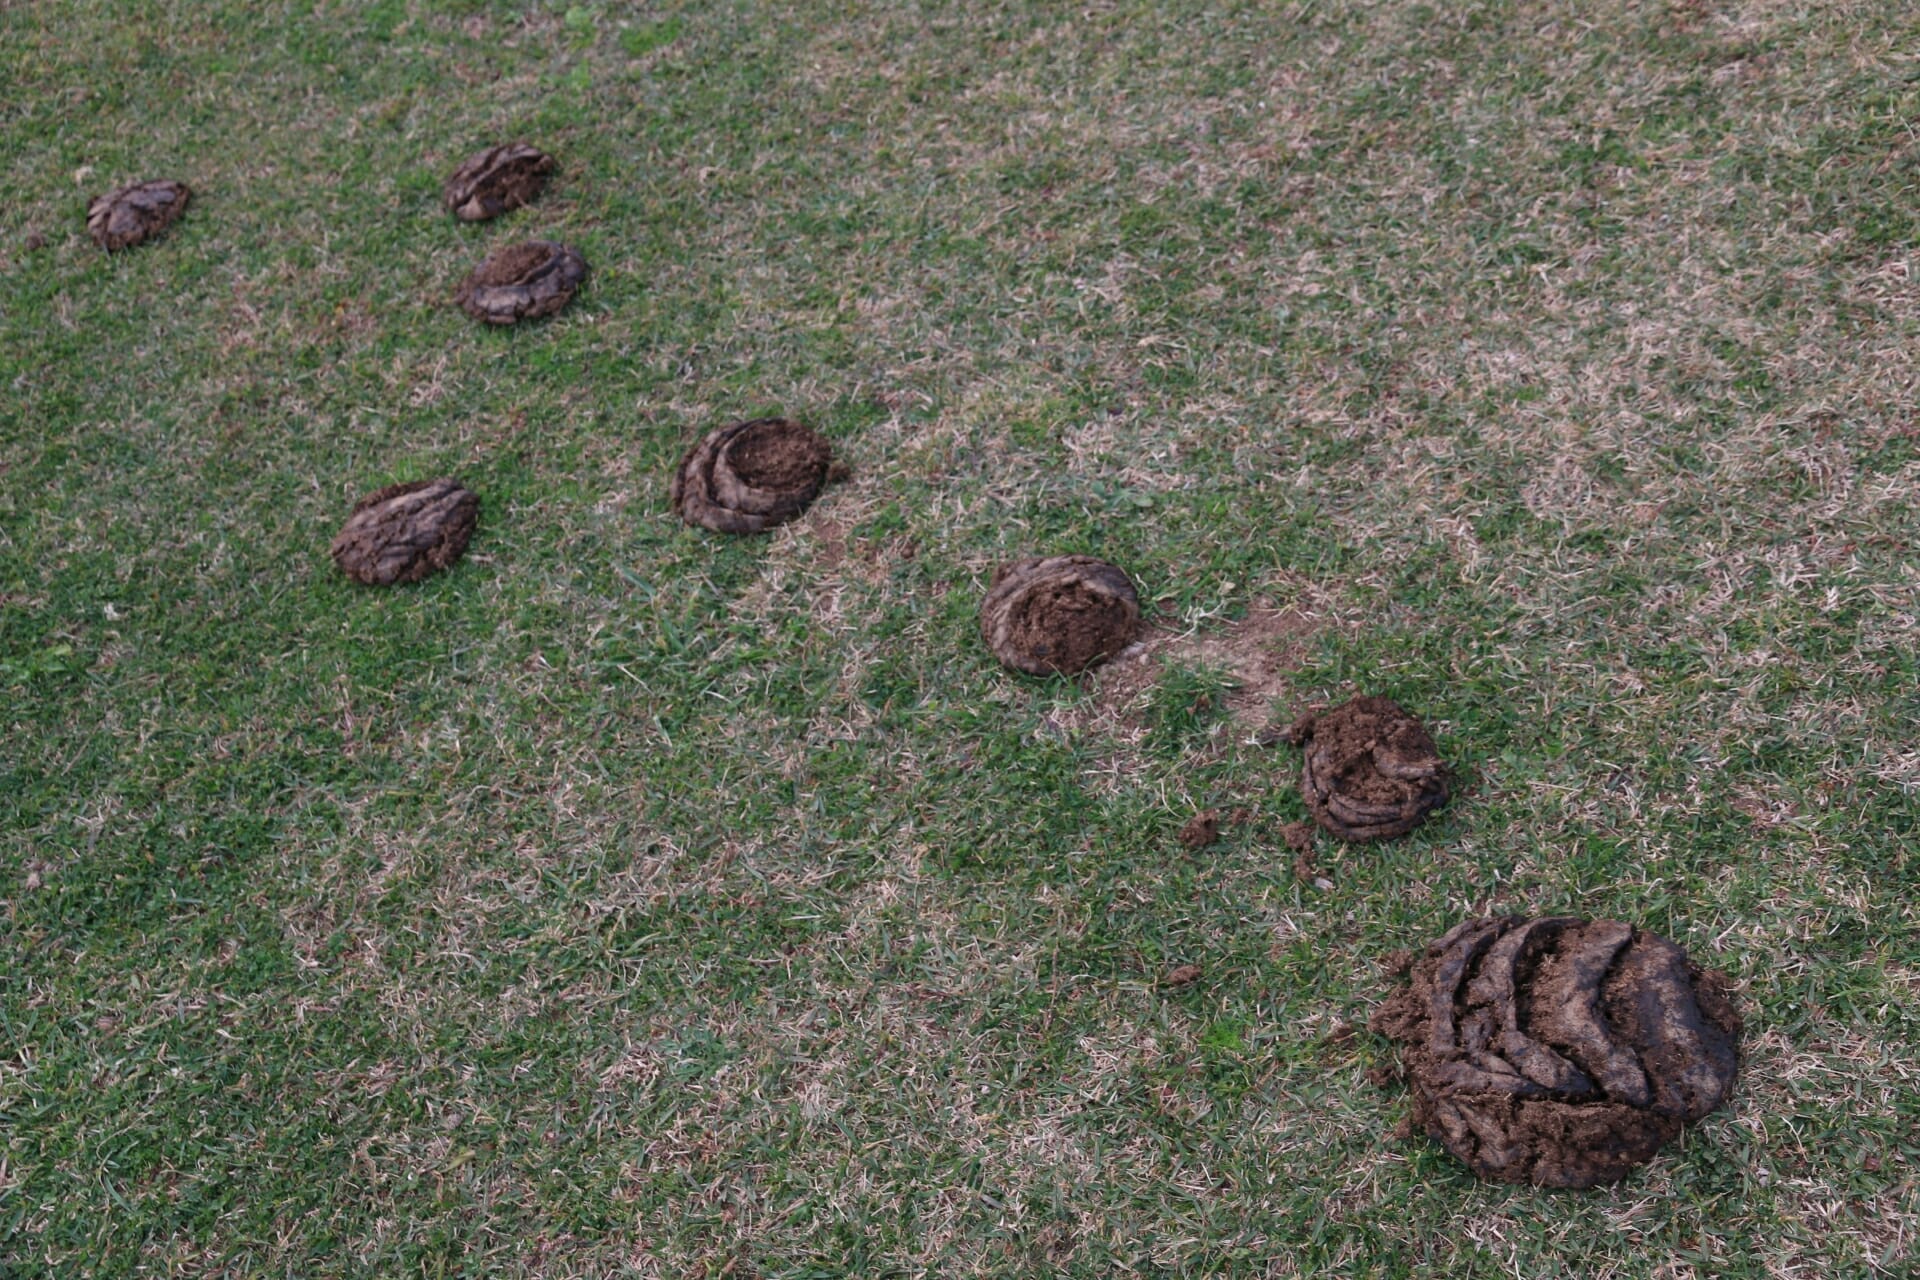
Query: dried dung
[[497, 180], [1371, 771], [1559, 1051], [1059, 614], [126, 217], [751, 476], [523, 281], [406, 531], [1201, 830]]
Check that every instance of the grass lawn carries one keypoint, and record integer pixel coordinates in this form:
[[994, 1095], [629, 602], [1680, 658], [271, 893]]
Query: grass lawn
[[632, 900]]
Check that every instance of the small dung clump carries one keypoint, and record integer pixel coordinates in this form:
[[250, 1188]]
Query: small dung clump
[[123, 218], [1559, 1051], [404, 532], [523, 281], [1201, 830], [1371, 771], [1060, 614], [496, 181], [751, 476]]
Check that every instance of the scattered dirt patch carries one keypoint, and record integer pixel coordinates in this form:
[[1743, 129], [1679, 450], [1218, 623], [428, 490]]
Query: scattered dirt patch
[[1340, 1036], [1201, 830], [1559, 1051], [523, 281], [126, 217], [406, 531], [497, 180], [1060, 614], [1298, 836], [1371, 770], [1259, 653], [751, 476]]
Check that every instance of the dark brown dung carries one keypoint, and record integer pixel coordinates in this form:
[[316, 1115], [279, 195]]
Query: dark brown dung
[[406, 531], [1559, 1051], [497, 180], [751, 476], [1202, 829], [523, 281], [1058, 614], [1371, 772], [123, 218]]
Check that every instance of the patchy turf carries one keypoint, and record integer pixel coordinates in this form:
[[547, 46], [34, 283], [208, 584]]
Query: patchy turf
[[632, 900]]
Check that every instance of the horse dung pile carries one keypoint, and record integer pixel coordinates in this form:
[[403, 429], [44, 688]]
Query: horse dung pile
[[1558, 1051], [751, 476], [522, 282], [130, 215], [405, 532], [496, 181], [1371, 771], [1058, 614]]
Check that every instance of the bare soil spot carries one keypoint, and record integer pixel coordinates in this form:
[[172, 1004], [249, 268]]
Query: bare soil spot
[[1259, 653]]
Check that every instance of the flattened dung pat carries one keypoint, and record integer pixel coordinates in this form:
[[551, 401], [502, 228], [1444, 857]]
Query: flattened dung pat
[[519, 283], [1559, 1051], [1371, 771], [1060, 614], [497, 180], [404, 532], [125, 217], [752, 475]]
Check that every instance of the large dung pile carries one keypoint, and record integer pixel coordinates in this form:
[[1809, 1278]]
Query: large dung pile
[[406, 531], [1061, 614], [1560, 1051], [751, 476], [1371, 771]]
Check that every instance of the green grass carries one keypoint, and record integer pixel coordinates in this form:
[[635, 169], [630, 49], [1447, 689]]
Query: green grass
[[631, 900]]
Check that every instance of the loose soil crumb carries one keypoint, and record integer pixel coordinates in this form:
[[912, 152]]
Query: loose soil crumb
[[522, 282], [751, 476], [1058, 614], [1371, 771], [123, 218], [1182, 976], [406, 531], [1201, 830], [1298, 836], [1559, 1051], [497, 180]]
